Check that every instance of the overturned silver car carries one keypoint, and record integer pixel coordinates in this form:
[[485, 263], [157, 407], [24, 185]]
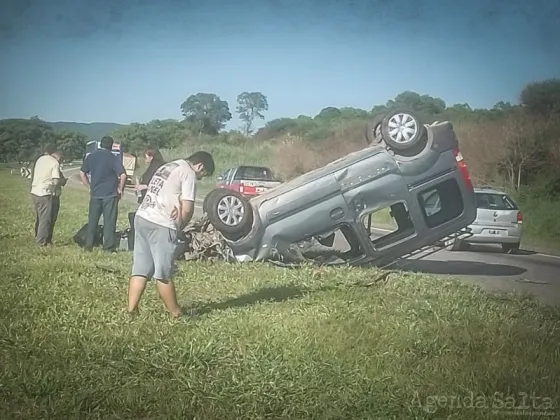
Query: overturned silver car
[[406, 190]]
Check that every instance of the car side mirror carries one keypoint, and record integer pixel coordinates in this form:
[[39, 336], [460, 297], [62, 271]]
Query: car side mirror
[[219, 178]]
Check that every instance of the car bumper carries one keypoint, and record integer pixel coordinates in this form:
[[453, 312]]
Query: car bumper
[[495, 234]]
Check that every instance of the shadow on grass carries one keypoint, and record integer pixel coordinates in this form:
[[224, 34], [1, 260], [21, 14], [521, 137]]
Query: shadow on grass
[[266, 294], [463, 268]]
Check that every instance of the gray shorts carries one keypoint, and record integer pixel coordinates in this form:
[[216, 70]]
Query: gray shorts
[[154, 250]]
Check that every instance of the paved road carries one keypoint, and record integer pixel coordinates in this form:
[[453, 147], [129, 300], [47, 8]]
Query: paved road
[[486, 266], [526, 272]]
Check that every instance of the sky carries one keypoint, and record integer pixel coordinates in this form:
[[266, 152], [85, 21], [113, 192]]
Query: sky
[[138, 60]]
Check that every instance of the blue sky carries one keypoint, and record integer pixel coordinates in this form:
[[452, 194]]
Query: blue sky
[[93, 60]]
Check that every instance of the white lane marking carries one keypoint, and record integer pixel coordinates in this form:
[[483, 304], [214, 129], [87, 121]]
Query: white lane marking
[[548, 255]]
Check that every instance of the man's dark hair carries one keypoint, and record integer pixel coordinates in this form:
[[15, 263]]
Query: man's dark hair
[[49, 149], [205, 158], [107, 142]]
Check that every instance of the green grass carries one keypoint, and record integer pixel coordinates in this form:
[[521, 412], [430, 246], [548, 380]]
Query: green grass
[[541, 223], [268, 343]]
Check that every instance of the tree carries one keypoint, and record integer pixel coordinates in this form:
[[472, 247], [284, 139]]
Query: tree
[[23, 139], [524, 139], [425, 104], [71, 144], [207, 112], [250, 106], [350, 113], [329, 113], [542, 97]]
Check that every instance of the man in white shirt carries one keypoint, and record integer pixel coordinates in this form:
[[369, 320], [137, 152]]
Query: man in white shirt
[[165, 211], [45, 189]]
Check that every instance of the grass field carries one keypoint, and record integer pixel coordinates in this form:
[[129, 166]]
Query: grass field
[[266, 343]]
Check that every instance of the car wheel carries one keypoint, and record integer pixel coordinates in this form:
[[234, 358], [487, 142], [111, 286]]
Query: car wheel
[[229, 212], [510, 248], [373, 129], [402, 130]]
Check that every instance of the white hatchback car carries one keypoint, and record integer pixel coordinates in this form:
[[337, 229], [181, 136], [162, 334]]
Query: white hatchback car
[[498, 221]]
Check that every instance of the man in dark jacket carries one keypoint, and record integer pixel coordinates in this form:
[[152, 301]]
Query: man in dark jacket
[[106, 186]]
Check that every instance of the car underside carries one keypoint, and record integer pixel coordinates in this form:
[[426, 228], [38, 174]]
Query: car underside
[[371, 206]]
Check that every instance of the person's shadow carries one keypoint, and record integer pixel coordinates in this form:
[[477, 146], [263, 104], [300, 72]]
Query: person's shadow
[[266, 294]]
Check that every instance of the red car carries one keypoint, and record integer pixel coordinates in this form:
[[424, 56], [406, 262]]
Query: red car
[[248, 180]]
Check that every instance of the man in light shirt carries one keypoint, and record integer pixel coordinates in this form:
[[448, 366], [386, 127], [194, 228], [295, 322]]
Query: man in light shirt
[[46, 184], [164, 212]]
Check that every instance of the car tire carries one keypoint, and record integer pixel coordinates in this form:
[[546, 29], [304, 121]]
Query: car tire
[[373, 129], [402, 130], [510, 248], [233, 226]]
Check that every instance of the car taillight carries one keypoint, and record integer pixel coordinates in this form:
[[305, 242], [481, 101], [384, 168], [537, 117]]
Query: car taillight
[[463, 168], [519, 217], [247, 189]]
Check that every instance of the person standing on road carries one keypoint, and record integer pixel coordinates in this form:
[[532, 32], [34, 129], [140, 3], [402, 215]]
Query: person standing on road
[[165, 211], [46, 185], [106, 187]]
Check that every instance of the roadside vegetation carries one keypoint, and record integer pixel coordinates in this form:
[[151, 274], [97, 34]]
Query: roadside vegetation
[[261, 341], [510, 146]]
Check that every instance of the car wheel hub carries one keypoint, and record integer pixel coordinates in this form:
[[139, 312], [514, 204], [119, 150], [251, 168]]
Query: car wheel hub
[[230, 210], [402, 128]]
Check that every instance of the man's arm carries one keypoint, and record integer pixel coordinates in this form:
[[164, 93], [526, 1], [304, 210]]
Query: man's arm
[[188, 195], [187, 211], [63, 179], [121, 174], [85, 179], [122, 183], [55, 174], [84, 170]]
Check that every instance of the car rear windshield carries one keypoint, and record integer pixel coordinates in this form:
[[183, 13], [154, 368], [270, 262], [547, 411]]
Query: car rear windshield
[[491, 201], [254, 173]]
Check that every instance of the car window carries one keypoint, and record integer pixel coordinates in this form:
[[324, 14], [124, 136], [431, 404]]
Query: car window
[[491, 201], [225, 175], [432, 203], [254, 173], [441, 203]]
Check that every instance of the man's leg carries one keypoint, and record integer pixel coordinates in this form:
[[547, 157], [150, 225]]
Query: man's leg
[[36, 216], [43, 205], [95, 209], [142, 265], [109, 223], [164, 259], [54, 217]]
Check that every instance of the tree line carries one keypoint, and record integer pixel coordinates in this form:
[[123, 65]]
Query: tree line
[[204, 113], [515, 141]]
